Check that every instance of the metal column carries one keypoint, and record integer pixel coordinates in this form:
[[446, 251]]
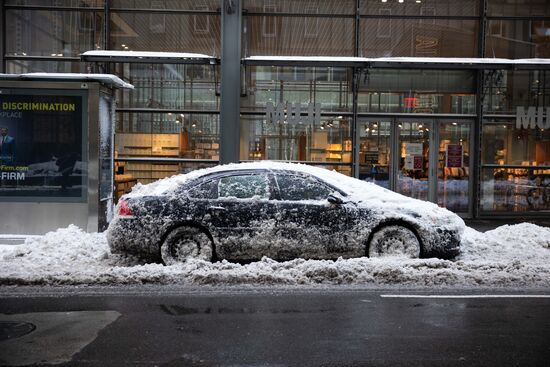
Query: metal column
[[2, 36], [230, 81]]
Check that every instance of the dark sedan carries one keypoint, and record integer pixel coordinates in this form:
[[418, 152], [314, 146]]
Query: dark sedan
[[243, 212]]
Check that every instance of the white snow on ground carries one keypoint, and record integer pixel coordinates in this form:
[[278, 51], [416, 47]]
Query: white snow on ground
[[509, 256]]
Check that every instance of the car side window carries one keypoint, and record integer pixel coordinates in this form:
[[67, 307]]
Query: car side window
[[205, 190], [296, 188], [246, 186]]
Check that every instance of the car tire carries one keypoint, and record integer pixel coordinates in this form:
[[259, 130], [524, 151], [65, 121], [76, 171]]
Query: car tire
[[394, 240], [186, 243]]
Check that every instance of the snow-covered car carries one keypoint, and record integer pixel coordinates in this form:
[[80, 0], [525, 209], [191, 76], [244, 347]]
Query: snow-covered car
[[242, 212]]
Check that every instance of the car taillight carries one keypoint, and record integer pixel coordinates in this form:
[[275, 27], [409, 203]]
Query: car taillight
[[124, 209]]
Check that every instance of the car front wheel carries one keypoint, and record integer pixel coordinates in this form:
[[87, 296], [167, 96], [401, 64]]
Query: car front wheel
[[394, 240], [185, 243]]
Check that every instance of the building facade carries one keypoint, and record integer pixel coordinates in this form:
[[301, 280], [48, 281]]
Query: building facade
[[470, 135]]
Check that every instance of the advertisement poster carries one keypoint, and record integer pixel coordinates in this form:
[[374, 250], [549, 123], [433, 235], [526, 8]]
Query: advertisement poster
[[454, 156], [41, 147]]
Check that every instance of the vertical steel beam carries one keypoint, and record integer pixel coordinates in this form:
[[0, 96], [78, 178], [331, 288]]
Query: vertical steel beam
[[230, 80], [356, 75], [482, 25], [475, 186], [106, 34], [2, 37]]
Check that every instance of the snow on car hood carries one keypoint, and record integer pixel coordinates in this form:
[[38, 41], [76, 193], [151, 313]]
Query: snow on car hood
[[369, 195]]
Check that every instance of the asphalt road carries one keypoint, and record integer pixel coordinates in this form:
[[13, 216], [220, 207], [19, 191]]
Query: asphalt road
[[164, 326]]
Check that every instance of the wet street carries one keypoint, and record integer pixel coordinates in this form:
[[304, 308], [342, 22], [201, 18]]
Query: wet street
[[167, 326]]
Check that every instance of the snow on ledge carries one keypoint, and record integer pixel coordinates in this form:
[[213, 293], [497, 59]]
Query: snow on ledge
[[144, 54], [108, 79], [423, 60]]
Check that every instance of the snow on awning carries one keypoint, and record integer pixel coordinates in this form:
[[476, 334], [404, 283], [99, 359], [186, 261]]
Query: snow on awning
[[399, 62], [107, 79], [148, 57]]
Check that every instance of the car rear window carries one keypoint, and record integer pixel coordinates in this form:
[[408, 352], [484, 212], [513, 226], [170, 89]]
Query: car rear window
[[244, 186], [296, 188]]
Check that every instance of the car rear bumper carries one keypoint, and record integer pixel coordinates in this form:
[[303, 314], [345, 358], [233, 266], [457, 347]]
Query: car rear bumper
[[129, 236]]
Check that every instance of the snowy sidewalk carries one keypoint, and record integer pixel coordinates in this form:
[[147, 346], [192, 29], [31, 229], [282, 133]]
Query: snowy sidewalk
[[509, 256]]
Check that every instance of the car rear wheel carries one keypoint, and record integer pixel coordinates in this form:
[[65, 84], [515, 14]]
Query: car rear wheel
[[185, 243], [394, 240]]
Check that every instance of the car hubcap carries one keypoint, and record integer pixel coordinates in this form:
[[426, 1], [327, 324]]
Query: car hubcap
[[394, 241], [186, 244]]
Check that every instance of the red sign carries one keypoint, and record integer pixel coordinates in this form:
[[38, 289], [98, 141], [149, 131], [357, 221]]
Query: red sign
[[411, 102], [454, 156]]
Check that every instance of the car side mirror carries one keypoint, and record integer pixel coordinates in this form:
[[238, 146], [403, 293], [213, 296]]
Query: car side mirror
[[333, 199]]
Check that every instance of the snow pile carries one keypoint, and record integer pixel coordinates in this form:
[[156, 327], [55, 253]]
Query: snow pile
[[516, 256]]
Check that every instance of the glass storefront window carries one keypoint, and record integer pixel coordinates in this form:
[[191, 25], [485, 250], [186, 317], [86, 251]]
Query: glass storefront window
[[386, 37], [506, 89], [504, 144], [198, 33], [169, 86], [327, 142], [191, 136], [453, 166], [206, 5], [329, 87], [300, 36], [57, 3], [414, 159], [146, 172], [417, 91], [300, 6], [515, 167], [517, 39], [53, 33], [433, 8], [40, 66], [374, 151], [518, 8]]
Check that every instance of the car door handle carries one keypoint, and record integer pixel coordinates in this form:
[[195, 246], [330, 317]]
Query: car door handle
[[216, 209]]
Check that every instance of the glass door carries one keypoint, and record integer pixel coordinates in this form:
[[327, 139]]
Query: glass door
[[453, 165], [413, 176], [374, 151]]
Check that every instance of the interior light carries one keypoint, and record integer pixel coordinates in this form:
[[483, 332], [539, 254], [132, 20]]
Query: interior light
[[384, 1], [193, 124], [54, 54], [182, 115], [401, 1], [420, 126], [418, 1], [340, 117], [400, 126], [454, 123], [375, 125], [169, 113], [123, 45]]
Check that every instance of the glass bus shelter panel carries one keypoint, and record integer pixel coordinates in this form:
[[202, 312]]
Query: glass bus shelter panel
[[375, 151], [414, 161], [453, 171]]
